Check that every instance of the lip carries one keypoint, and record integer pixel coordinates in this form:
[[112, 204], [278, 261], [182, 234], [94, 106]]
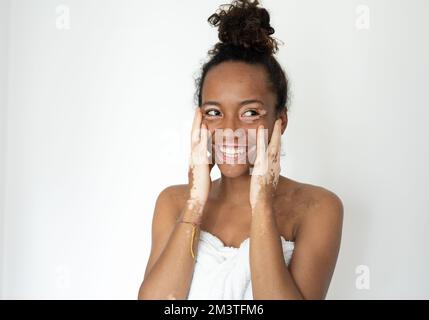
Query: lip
[[238, 158], [236, 146], [232, 145]]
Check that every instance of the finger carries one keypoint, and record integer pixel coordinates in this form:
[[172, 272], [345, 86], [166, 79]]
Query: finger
[[203, 142], [203, 135], [196, 127], [260, 142], [276, 137], [261, 165], [209, 145]]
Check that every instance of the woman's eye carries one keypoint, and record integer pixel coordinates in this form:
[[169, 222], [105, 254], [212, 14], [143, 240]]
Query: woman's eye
[[250, 113], [212, 113]]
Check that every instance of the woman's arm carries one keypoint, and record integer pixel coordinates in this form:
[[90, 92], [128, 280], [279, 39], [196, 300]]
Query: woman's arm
[[314, 258], [170, 267], [271, 279], [317, 241]]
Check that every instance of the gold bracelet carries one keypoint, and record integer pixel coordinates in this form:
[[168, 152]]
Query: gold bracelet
[[195, 224]]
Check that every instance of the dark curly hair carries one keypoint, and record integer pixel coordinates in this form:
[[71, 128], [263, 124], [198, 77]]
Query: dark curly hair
[[244, 32]]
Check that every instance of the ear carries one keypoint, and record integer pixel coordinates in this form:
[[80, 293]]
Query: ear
[[283, 116]]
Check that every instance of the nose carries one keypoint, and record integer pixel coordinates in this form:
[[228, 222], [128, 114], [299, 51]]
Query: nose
[[229, 123], [230, 133]]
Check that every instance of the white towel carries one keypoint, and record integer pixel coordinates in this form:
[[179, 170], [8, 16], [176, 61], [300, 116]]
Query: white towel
[[223, 273]]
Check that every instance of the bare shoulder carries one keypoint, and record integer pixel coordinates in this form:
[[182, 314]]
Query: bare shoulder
[[325, 204], [177, 191], [167, 210], [302, 203], [317, 236], [173, 197]]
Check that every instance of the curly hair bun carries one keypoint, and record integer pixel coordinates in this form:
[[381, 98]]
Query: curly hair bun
[[243, 24]]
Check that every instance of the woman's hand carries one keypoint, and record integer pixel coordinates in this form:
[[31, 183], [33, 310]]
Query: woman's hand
[[200, 165], [266, 170]]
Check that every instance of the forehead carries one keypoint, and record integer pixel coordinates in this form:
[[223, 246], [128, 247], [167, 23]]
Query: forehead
[[236, 81]]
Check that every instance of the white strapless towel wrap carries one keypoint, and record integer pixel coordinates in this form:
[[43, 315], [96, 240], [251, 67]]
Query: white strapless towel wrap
[[223, 273]]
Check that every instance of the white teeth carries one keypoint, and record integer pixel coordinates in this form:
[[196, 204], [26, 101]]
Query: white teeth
[[231, 151]]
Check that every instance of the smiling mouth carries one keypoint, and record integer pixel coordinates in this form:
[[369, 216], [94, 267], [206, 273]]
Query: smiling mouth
[[232, 150], [232, 154]]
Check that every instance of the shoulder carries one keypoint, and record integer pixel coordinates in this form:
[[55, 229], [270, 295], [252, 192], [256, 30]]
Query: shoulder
[[324, 212], [167, 210], [308, 196], [304, 203], [173, 197], [317, 238], [174, 192], [325, 205]]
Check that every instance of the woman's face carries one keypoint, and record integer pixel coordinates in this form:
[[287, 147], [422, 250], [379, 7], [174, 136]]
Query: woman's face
[[235, 101]]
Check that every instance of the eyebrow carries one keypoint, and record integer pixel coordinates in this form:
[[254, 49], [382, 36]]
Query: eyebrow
[[242, 103]]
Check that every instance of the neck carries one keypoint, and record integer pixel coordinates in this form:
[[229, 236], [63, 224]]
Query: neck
[[234, 191]]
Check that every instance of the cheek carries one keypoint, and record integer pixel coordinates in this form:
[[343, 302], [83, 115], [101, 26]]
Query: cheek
[[212, 125], [250, 137]]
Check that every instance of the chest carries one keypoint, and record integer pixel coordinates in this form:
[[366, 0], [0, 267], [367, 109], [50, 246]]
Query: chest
[[232, 223]]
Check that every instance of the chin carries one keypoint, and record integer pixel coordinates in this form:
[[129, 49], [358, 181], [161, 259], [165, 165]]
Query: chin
[[236, 165], [233, 170]]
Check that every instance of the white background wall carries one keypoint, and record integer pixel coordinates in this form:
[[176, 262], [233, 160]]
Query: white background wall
[[83, 163]]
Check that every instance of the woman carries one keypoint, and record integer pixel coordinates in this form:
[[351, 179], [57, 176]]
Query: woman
[[251, 234]]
